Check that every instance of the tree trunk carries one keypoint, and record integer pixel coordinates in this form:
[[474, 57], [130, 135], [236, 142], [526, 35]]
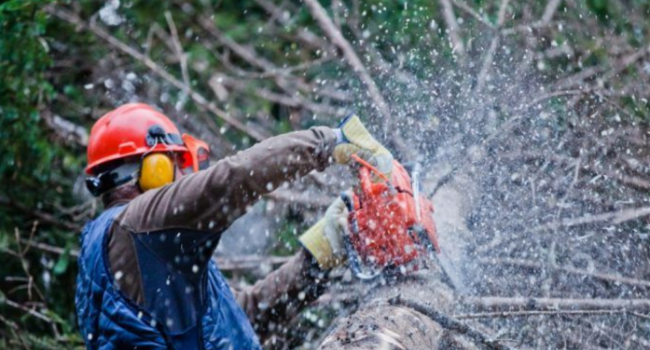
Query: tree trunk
[[376, 324]]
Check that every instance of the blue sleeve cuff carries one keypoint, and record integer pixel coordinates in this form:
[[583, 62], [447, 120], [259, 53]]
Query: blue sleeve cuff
[[340, 138]]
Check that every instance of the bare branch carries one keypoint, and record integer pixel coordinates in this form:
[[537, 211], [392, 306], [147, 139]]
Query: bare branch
[[154, 67], [502, 12], [633, 181], [288, 100], [468, 9], [626, 62], [28, 310], [41, 215], [318, 12], [304, 35], [178, 48], [590, 72], [521, 303], [248, 54], [249, 262], [450, 323], [549, 11], [299, 198], [571, 270], [456, 41], [489, 56], [50, 248], [616, 218], [528, 313], [282, 76]]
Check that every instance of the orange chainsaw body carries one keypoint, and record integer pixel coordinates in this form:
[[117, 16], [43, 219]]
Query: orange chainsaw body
[[387, 230]]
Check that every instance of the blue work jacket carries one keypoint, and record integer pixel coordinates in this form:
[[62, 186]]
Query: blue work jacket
[[109, 320]]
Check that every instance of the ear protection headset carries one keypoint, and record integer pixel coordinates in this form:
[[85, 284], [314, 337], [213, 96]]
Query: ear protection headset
[[155, 169]]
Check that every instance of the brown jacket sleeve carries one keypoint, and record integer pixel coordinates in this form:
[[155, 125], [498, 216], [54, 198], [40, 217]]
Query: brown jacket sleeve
[[281, 295], [211, 200]]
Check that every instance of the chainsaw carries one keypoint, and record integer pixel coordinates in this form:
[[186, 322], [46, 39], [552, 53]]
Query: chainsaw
[[391, 223]]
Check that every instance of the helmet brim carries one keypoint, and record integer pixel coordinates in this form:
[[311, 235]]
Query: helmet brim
[[136, 152]]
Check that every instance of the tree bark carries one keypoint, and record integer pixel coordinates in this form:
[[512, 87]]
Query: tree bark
[[377, 324]]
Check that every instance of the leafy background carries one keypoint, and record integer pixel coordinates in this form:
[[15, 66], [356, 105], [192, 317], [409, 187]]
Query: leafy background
[[578, 79]]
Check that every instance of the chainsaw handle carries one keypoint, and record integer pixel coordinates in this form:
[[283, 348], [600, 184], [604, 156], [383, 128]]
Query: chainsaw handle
[[367, 185], [370, 167], [354, 259], [349, 204]]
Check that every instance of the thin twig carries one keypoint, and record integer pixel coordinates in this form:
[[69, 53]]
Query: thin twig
[[50, 248], [25, 264], [247, 53], [283, 79], [43, 217], [549, 11], [637, 314], [178, 48], [468, 9], [304, 35], [489, 56], [526, 28], [249, 262], [294, 100], [30, 311], [587, 73]]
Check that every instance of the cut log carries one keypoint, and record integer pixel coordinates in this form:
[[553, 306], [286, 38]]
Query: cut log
[[377, 324]]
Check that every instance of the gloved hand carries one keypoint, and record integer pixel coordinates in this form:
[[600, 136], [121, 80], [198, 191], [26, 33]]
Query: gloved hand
[[324, 240], [355, 139]]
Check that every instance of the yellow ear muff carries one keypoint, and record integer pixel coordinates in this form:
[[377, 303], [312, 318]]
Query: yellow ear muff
[[156, 170]]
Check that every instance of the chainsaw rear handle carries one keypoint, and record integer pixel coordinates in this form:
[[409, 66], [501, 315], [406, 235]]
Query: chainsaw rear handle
[[353, 256]]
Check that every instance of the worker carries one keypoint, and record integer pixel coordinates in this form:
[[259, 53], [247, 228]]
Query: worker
[[146, 278]]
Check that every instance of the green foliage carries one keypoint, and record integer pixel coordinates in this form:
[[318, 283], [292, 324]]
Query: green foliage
[[24, 61], [287, 237], [32, 180], [599, 7]]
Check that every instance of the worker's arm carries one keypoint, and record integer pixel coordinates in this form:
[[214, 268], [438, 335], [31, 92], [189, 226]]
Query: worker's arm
[[203, 205], [211, 200], [281, 295], [284, 293]]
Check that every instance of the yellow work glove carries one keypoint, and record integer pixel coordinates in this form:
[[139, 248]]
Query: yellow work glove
[[324, 240], [355, 139]]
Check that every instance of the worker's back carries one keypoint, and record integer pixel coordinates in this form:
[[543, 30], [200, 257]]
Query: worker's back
[[109, 320]]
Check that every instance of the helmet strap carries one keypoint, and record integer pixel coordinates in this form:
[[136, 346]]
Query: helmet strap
[[109, 180]]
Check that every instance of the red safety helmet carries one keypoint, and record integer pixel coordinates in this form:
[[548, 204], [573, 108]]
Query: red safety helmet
[[131, 130]]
